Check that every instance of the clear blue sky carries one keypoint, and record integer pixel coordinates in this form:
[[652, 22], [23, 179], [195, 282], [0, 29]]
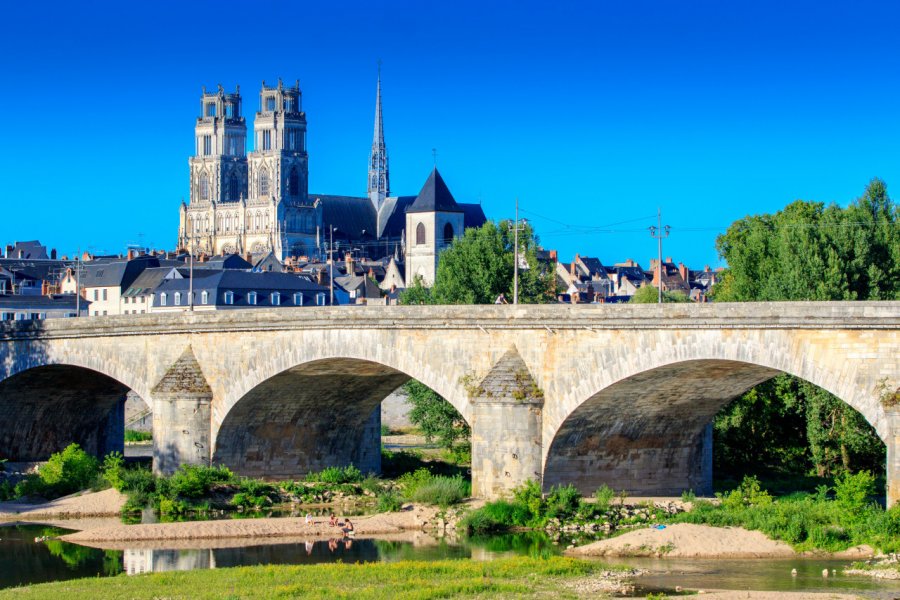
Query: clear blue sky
[[592, 113]]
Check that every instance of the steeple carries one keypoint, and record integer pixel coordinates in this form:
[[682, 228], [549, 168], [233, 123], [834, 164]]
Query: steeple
[[379, 175]]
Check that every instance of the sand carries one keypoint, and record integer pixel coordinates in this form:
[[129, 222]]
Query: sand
[[413, 518], [685, 540], [107, 503]]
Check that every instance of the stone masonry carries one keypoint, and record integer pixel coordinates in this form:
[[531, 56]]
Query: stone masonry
[[626, 392]]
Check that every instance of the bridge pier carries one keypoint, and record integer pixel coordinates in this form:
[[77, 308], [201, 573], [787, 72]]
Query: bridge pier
[[892, 495], [181, 416], [506, 429]]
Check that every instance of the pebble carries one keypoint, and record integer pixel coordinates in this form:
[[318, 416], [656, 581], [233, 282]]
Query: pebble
[[794, 572], [824, 572]]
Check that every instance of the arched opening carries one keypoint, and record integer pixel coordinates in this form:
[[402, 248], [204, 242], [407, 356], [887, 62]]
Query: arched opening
[[651, 433], [264, 182], [294, 183], [312, 416], [44, 409], [448, 233], [420, 234]]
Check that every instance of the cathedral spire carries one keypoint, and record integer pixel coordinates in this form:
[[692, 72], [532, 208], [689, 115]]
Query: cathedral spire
[[379, 175]]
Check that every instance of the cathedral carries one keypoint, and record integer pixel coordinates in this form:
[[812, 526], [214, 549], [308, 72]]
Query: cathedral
[[258, 202]]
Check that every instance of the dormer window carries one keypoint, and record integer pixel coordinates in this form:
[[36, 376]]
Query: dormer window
[[177, 298], [298, 299], [275, 299], [163, 298], [320, 299], [251, 298], [204, 297], [229, 298]]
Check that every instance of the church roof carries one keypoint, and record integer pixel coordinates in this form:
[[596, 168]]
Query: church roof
[[434, 196], [351, 215]]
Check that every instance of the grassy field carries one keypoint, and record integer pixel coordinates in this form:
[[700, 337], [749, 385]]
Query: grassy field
[[503, 578]]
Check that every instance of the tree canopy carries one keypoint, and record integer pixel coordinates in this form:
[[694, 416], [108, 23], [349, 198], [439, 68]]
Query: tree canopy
[[648, 294], [478, 267], [807, 251]]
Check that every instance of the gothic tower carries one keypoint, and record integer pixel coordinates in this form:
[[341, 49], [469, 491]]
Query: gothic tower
[[379, 175], [218, 169], [279, 169]]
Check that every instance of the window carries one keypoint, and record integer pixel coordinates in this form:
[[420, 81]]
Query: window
[[320, 298], [96, 295], [21, 316], [258, 221], [104, 295], [448, 233], [275, 299], [267, 139], [210, 109], [7, 316], [270, 103], [207, 145], [162, 298], [264, 183], [204, 297], [204, 186], [251, 298], [177, 298], [298, 299], [229, 297], [294, 183], [420, 234]]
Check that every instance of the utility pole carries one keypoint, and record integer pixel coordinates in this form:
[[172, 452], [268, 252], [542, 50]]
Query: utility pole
[[659, 232], [191, 277], [78, 284], [516, 229], [331, 263]]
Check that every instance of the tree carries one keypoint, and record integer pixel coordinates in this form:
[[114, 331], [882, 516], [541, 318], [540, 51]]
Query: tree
[[436, 417], [809, 251], [648, 294], [478, 267]]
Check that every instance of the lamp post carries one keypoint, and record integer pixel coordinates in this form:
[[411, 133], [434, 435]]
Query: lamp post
[[659, 232], [516, 229], [191, 277]]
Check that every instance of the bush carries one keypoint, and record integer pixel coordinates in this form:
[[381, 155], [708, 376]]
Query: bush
[[112, 469], [852, 492], [348, 474], [411, 482], [195, 481], [603, 498], [371, 484], [66, 472], [389, 501], [562, 501], [442, 491], [748, 493], [492, 517]]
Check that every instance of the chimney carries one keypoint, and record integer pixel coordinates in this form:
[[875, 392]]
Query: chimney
[[553, 255], [572, 267], [706, 268], [683, 270], [668, 260], [9, 250], [131, 254], [21, 254], [248, 257], [45, 288], [320, 276], [53, 254]]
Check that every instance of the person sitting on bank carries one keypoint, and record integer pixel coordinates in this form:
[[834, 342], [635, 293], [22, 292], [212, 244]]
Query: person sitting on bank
[[348, 527], [333, 521]]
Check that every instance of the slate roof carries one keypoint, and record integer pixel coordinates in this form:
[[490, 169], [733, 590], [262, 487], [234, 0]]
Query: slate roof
[[31, 249], [57, 301], [147, 281], [434, 196], [351, 215], [228, 261], [119, 273]]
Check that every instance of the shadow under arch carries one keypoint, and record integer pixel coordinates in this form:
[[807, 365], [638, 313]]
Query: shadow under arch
[[45, 408], [311, 416], [650, 433]]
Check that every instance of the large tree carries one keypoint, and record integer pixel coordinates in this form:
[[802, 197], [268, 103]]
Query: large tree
[[807, 251], [479, 266]]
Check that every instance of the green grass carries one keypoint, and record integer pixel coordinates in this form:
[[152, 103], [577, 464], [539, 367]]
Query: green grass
[[132, 435], [407, 580]]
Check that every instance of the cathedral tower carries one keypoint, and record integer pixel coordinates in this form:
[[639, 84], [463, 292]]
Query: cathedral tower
[[379, 175]]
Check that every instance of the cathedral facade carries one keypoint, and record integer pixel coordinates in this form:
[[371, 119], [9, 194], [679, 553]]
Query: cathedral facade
[[259, 202]]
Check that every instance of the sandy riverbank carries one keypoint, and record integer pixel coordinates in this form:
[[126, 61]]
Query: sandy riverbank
[[686, 540], [107, 503]]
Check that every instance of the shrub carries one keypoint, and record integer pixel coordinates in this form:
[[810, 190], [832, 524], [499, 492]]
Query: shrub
[[389, 501], [852, 492], [562, 501], [411, 482], [529, 496], [66, 472], [112, 469], [603, 498], [139, 481], [371, 484], [748, 493], [442, 491], [348, 474], [492, 517], [195, 481]]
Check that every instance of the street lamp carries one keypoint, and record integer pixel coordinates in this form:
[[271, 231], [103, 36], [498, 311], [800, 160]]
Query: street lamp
[[659, 232], [516, 228]]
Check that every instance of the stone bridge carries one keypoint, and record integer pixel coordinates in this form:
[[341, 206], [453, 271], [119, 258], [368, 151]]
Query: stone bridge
[[590, 395]]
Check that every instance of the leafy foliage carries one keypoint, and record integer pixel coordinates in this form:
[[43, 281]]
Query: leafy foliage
[[348, 474], [479, 266], [807, 251], [436, 417], [66, 472]]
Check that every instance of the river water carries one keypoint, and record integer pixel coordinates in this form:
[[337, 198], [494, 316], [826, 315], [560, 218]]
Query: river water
[[25, 557]]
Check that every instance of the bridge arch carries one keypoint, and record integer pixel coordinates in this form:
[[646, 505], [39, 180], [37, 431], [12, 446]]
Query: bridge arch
[[642, 423], [316, 414]]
